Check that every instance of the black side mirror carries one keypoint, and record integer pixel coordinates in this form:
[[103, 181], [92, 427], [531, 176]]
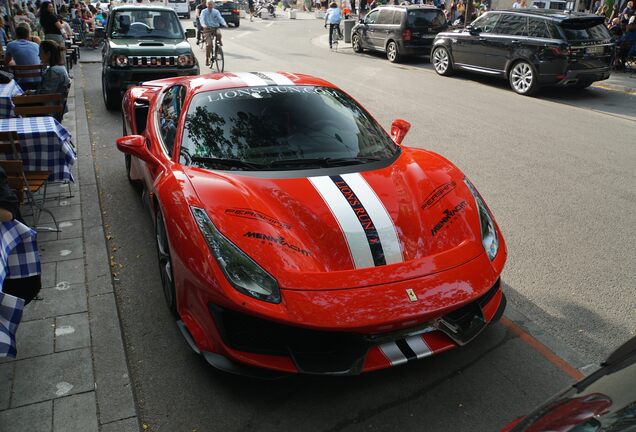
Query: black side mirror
[[190, 33], [472, 30], [360, 21]]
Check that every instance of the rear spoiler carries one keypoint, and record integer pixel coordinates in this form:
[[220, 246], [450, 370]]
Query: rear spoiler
[[583, 22]]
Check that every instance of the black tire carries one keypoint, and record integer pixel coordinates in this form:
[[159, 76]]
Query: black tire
[[237, 24], [583, 85], [112, 98], [165, 265], [523, 78], [219, 61], [392, 52], [442, 62], [356, 43]]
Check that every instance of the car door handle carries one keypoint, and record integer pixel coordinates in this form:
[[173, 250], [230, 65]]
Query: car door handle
[[516, 42], [481, 39]]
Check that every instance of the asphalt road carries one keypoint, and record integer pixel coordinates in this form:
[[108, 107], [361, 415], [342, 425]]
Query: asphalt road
[[557, 171]]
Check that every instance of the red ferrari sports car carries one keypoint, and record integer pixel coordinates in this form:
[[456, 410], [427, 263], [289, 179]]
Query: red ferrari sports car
[[296, 236]]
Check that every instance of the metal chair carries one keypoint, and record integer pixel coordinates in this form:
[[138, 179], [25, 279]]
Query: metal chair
[[26, 183]]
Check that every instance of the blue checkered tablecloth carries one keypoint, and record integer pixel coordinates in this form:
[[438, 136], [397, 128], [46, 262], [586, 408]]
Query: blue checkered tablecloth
[[7, 91], [46, 145], [19, 258]]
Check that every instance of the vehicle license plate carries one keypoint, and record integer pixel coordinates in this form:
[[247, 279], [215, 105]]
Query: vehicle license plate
[[594, 50], [226, 13]]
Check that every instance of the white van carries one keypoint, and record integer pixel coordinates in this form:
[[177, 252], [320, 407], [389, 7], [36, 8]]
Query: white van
[[181, 7]]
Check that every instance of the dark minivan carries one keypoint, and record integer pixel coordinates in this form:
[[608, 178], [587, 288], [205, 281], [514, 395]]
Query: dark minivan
[[531, 48], [399, 30]]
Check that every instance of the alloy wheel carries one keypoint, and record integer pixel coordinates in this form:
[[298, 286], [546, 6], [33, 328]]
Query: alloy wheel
[[522, 78], [440, 61], [391, 52], [356, 43]]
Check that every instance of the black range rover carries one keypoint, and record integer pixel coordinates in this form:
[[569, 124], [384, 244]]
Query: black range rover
[[531, 48]]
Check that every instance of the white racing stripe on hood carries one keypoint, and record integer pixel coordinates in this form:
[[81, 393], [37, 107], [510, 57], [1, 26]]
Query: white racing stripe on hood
[[250, 79], [379, 215], [349, 225], [279, 79]]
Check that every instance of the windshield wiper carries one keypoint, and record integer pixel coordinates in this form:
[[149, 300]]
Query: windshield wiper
[[324, 162], [230, 163]]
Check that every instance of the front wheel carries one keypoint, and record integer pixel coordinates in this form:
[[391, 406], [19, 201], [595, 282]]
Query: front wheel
[[392, 52], [442, 62], [112, 98], [165, 265], [523, 79], [219, 60], [357, 43]]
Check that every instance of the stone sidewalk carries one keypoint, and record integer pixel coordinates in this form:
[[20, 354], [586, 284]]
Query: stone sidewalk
[[71, 373]]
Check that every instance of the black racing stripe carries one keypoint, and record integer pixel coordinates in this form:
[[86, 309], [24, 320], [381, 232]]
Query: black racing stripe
[[377, 252], [264, 77], [406, 350]]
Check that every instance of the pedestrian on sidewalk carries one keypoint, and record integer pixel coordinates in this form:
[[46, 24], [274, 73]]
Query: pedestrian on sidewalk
[[51, 23]]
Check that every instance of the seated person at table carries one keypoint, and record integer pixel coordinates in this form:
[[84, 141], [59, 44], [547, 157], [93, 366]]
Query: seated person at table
[[55, 79], [25, 288], [23, 52]]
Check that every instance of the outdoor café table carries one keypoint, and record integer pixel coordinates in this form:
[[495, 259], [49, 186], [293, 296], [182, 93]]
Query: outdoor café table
[[46, 145], [7, 91], [19, 258]]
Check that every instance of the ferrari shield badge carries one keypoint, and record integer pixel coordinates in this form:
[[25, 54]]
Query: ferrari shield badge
[[411, 294]]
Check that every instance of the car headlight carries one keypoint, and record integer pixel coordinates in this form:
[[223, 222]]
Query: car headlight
[[120, 60], [241, 271], [489, 238], [185, 60]]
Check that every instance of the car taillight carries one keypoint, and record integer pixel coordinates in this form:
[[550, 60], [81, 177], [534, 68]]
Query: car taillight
[[236, 11], [561, 51], [407, 35]]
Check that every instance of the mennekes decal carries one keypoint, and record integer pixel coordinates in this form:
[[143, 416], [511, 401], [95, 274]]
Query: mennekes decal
[[256, 215], [280, 240], [438, 193], [448, 216], [365, 220]]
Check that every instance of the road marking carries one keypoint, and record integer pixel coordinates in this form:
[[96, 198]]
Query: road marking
[[270, 24], [245, 33], [542, 349]]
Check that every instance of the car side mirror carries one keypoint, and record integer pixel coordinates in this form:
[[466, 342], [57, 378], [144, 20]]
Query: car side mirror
[[399, 129], [360, 21], [190, 33], [472, 30], [135, 145]]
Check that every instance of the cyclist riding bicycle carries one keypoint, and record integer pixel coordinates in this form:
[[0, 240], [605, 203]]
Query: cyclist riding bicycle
[[211, 20], [200, 8], [333, 17]]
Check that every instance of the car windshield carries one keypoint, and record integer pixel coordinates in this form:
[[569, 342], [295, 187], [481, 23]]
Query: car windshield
[[145, 24], [425, 18], [585, 31], [285, 127]]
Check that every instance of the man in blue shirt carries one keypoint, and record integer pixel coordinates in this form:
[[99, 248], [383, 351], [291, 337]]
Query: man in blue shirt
[[23, 52], [210, 20]]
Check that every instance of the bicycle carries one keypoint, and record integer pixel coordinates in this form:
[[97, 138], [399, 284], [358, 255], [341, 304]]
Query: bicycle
[[336, 35], [214, 53]]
